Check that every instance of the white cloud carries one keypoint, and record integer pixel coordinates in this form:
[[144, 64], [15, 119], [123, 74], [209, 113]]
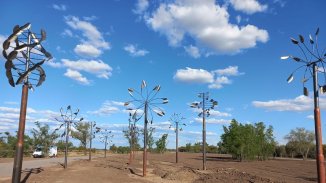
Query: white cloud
[[97, 67], [248, 6], [67, 32], [185, 18], [141, 6], [134, 51], [75, 75], [190, 75], [59, 7], [92, 36], [300, 103], [311, 116], [219, 82], [216, 79], [87, 50], [213, 121], [108, 108], [54, 64], [229, 71], [193, 51], [214, 113], [91, 18]]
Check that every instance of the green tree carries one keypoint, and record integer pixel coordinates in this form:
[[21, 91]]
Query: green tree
[[82, 134], [61, 144], [302, 140], [113, 148], [150, 139], [42, 136], [280, 151], [161, 143], [247, 141]]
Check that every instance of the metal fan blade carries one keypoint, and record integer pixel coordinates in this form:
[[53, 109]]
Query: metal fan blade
[[6, 44], [143, 84], [9, 76], [43, 35], [12, 55], [16, 29], [42, 76]]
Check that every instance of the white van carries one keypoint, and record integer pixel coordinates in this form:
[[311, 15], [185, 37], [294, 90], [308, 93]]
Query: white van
[[38, 152], [53, 151]]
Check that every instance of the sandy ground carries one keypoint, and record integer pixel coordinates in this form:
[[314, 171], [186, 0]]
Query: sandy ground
[[162, 168]]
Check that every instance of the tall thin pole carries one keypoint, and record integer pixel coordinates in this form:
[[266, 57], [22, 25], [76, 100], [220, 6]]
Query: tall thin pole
[[204, 134], [18, 161], [145, 141], [16, 174], [318, 133], [90, 143], [106, 140], [176, 144], [67, 140]]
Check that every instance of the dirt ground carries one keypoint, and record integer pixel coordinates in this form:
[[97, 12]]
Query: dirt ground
[[162, 168]]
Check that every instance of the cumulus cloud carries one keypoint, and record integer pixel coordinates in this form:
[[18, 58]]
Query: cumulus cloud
[[134, 51], [108, 108], [248, 6], [229, 71], [92, 37], [193, 51], [213, 113], [59, 7], [213, 121], [75, 75], [97, 67], [216, 79], [190, 75], [87, 50], [182, 18], [141, 6], [300, 103]]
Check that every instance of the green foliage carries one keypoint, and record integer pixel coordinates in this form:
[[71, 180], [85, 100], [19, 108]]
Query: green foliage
[[150, 139], [197, 148], [82, 134], [42, 136], [300, 142], [113, 148], [132, 135], [246, 142], [61, 144], [161, 143], [9, 142]]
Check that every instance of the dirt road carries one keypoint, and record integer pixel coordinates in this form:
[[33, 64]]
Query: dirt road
[[6, 168]]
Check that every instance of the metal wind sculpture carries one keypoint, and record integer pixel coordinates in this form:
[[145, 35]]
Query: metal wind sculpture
[[313, 61], [25, 55], [68, 118], [176, 119], [105, 138], [205, 105], [147, 104], [91, 136]]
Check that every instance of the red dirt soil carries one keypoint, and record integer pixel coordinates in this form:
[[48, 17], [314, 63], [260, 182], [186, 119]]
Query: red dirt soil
[[162, 168]]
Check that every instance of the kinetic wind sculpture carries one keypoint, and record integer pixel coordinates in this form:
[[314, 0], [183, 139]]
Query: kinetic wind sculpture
[[313, 61], [205, 105], [133, 134], [105, 138], [176, 119], [25, 55], [147, 102]]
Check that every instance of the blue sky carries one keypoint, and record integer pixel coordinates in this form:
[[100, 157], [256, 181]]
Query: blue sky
[[229, 48]]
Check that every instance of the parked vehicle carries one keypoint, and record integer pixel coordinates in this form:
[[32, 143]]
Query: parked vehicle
[[53, 151], [38, 152]]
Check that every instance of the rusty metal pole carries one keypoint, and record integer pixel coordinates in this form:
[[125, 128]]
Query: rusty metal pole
[[204, 134], [145, 141], [318, 131], [176, 142], [90, 143], [67, 140], [16, 174], [106, 140]]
